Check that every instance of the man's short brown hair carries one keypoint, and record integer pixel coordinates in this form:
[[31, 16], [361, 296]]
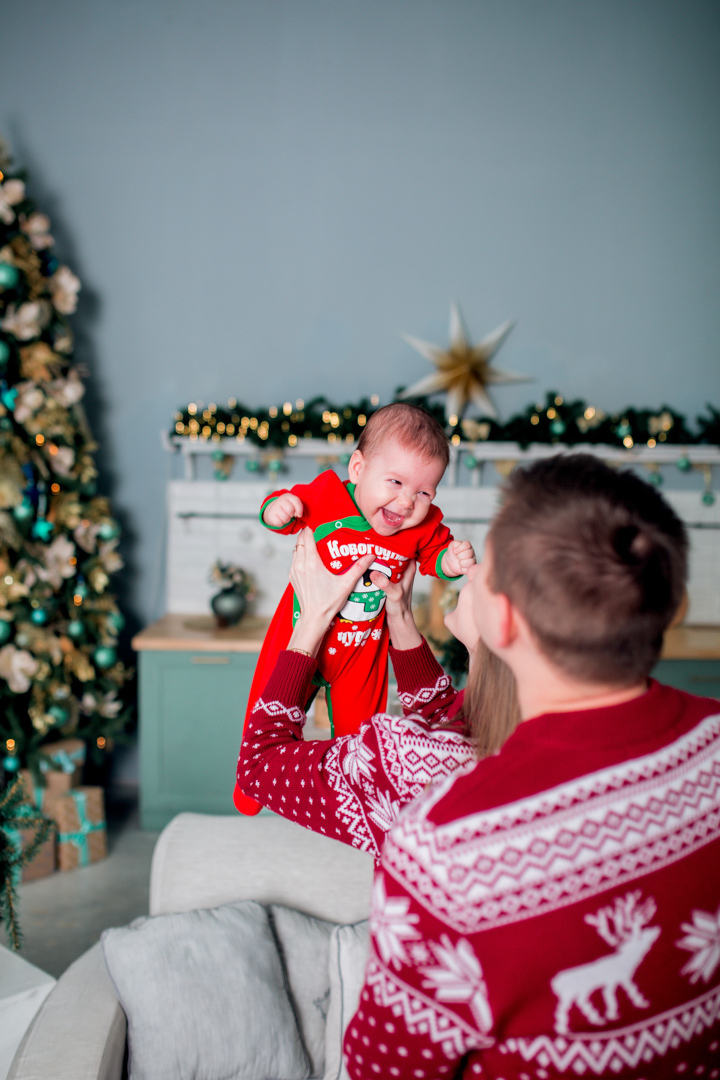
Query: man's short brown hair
[[411, 426], [595, 560]]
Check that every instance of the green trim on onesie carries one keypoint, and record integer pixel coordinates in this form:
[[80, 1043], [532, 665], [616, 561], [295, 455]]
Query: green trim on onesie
[[438, 571], [356, 522], [272, 528], [317, 680]]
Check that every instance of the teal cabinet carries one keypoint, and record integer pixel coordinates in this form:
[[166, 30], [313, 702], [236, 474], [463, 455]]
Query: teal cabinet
[[700, 677], [192, 704]]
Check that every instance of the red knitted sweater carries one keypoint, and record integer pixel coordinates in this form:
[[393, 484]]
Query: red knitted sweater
[[352, 788], [554, 911]]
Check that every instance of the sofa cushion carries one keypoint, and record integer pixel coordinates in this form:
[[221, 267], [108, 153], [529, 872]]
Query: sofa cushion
[[305, 947], [205, 998], [349, 947]]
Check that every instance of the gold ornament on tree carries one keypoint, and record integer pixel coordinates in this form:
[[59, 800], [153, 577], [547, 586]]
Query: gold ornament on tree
[[464, 371]]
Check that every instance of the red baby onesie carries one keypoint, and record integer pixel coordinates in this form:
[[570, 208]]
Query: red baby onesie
[[352, 662]]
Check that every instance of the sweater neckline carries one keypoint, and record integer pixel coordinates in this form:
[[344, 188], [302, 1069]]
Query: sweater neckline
[[635, 721]]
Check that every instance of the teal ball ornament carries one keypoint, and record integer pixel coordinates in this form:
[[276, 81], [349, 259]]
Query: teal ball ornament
[[43, 530], [39, 616], [9, 275], [345, 459], [105, 656], [218, 455], [109, 530], [23, 512], [8, 398], [656, 479], [5, 423], [115, 622], [76, 630], [5, 631], [684, 464], [4, 353], [470, 461], [557, 427], [708, 498], [59, 715], [275, 465], [220, 474], [11, 764], [81, 589], [252, 465]]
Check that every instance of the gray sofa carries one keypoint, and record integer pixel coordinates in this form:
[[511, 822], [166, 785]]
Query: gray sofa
[[200, 861]]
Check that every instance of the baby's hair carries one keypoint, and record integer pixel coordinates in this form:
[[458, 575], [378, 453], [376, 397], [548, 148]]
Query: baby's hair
[[411, 426], [595, 560]]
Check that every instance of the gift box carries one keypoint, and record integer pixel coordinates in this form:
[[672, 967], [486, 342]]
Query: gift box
[[81, 831], [43, 862], [67, 757]]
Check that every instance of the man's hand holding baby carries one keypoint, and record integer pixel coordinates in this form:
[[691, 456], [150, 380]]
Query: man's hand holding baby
[[458, 558], [281, 511]]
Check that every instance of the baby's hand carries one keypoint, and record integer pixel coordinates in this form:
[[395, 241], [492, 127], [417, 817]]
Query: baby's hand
[[282, 510], [458, 558]]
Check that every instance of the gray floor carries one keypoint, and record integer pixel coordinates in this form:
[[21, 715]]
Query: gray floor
[[63, 915]]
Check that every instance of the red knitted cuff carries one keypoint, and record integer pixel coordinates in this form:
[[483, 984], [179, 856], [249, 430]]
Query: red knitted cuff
[[290, 681], [415, 667]]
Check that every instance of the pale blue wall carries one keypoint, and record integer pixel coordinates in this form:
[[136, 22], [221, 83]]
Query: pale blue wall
[[260, 196]]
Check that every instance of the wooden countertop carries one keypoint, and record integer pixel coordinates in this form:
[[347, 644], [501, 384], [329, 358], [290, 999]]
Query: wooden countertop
[[199, 633], [692, 643]]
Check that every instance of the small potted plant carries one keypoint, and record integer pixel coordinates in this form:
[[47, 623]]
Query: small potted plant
[[236, 588]]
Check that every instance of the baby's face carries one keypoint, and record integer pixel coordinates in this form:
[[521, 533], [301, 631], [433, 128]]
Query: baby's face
[[394, 486]]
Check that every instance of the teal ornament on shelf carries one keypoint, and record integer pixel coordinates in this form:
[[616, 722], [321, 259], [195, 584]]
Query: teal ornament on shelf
[[76, 629], [24, 511], [470, 461], [622, 430], [59, 715], [108, 530], [656, 479], [228, 606], [557, 427], [252, 465], [8, 398], [220, 474], [345, 459], [218, 455], [684, 464], [5, 631], [9, 275], [39, 616], [275, 465], [104, 656], [4, 353], [708, 498], [43, 529], [11, 763]]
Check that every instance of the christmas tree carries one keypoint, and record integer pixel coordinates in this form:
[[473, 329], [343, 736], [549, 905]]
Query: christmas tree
[[59, 667]]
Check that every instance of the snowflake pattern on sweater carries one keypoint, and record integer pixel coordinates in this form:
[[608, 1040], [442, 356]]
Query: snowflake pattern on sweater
[[353, 788]]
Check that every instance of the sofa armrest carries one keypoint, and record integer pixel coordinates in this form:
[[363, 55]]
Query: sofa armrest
[[79, 1032]]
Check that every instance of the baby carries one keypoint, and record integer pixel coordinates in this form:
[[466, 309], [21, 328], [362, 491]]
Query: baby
[[385, 508]]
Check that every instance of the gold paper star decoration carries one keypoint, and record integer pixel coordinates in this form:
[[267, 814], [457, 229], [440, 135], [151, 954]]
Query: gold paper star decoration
[[463, 370]]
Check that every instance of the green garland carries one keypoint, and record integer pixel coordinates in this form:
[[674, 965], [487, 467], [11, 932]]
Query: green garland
[[554, 421]]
